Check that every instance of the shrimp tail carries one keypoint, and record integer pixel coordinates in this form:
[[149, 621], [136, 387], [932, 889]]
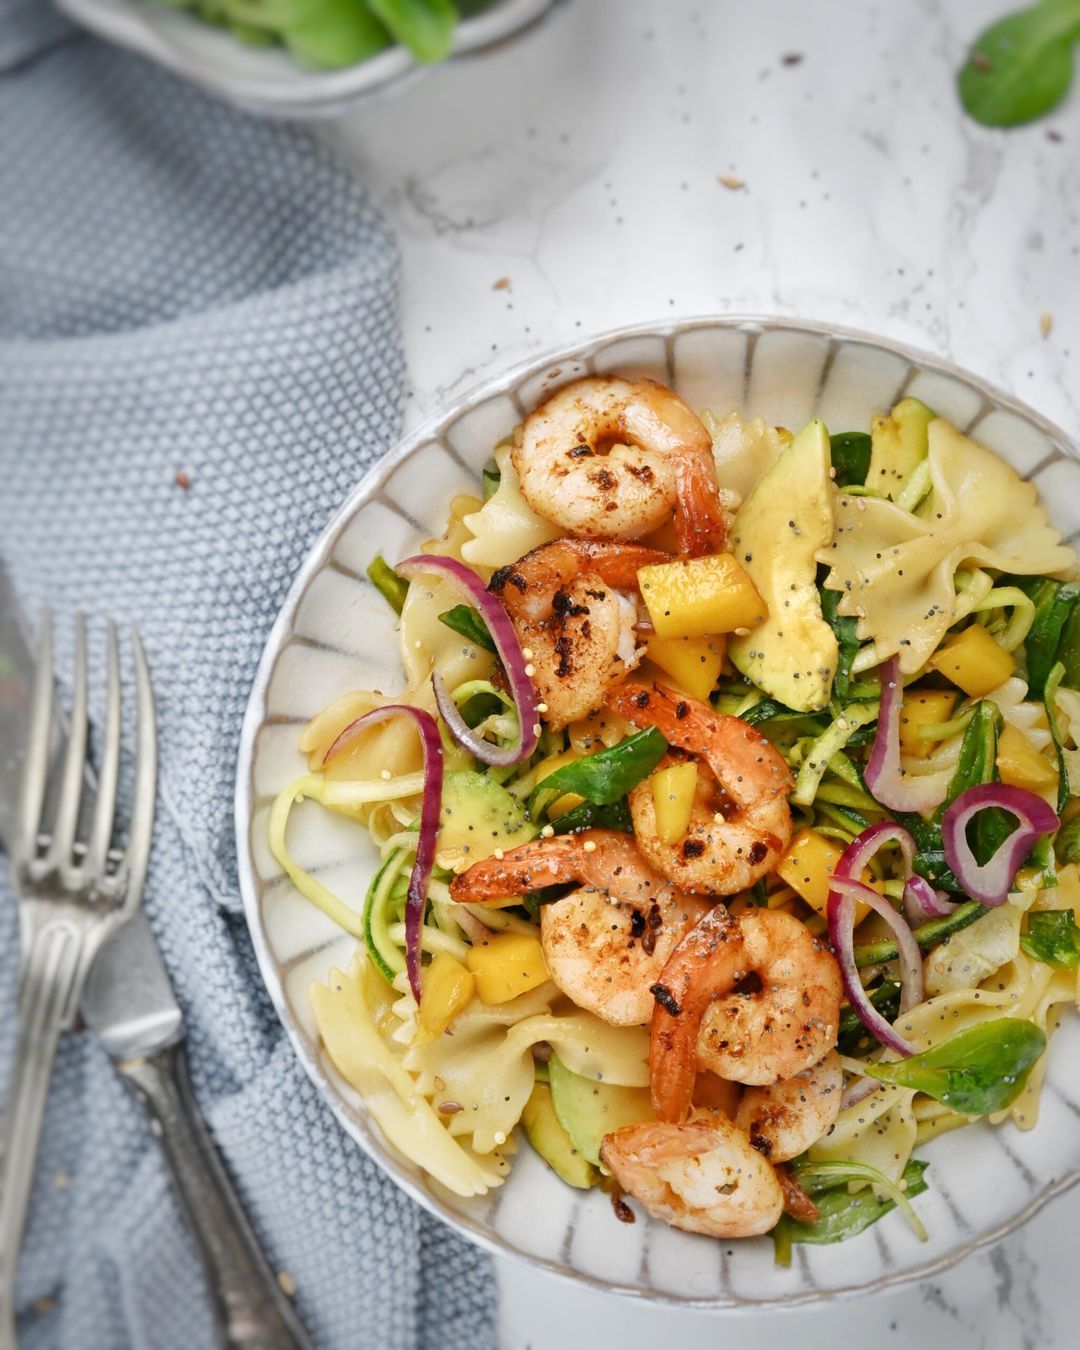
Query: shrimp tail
[[529, 867], [796, 1201], [697, 970], [700, 526], [614, 563]]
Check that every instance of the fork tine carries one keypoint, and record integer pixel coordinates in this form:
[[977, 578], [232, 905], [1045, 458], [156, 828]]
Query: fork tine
[[137, 853], [36, 759], [71, 783], [105, 807]]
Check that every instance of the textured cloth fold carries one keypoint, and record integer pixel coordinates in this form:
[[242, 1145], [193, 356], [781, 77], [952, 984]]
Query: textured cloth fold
[[199, 356]]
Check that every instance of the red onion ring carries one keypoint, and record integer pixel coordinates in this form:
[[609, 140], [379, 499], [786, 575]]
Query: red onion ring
[[989, 882], [885, 776], [510, 653], [857, 1091], [856, 857], [922, 903], [420, 875], [841, 914]]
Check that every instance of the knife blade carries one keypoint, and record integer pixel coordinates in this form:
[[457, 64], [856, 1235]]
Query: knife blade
[[129, 1004], [16, 673]]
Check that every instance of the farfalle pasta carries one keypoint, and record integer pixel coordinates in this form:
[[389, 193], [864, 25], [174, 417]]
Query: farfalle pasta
[[896, 568]]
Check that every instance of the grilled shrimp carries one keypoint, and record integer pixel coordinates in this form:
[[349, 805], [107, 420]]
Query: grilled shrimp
[[606, 943], [741, 821], [783, 1120], [754, 999], [703, 1175], [612, 459], [568, 603]]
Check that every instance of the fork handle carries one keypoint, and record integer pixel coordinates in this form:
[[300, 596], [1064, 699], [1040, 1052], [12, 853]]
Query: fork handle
[[50, 976], [252, 1311]]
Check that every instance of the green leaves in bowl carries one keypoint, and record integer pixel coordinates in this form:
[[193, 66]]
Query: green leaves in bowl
[[976, 1072], [1021, 67]]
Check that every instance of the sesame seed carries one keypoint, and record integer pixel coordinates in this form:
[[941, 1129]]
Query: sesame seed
[[589, 846], [530, 670], [541, 707], [547, 831], [527, 653]]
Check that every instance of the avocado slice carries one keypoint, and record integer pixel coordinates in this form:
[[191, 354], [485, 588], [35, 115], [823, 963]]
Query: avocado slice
[[898, 444], [588, 1109], [776, 536], [478, 816], [552, 1142]]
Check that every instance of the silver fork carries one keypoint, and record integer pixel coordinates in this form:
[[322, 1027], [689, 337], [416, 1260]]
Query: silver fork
[[73, 893]]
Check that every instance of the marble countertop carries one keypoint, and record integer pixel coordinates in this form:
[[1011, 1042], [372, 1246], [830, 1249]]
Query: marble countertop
[[630, 160]]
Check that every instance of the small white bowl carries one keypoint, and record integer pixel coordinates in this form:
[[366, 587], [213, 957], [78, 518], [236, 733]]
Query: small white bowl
[[265, 80], [336, 633]]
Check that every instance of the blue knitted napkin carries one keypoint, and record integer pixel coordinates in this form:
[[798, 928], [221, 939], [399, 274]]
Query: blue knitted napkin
[[199, 355]]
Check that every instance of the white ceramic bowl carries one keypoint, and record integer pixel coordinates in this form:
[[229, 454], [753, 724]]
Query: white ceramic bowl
[[335, 633], [265, 80]]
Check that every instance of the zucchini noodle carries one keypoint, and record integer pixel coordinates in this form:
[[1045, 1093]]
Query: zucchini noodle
[[1021, 619], [915, 489], [827, 745], [942, 731], [339, 796], [972, 588]]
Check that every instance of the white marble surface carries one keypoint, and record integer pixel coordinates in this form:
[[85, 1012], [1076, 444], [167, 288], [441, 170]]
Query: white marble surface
[[582, 165]]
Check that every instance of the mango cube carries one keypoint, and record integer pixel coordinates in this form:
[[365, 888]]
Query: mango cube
[[808, 866], [447, 987], [673, 789], [691, 663], [507, 965], [923, 708], [973, 661], [1020, 764], [695, 597]]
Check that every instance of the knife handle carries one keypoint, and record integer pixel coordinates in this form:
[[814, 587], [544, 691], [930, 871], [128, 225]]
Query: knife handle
[[252, 1311]]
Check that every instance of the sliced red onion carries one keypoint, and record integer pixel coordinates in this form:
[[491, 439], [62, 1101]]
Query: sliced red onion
[[857, 1091], [841, 910], [885, 776], [856, 857], [989, 882], [922, 903], [510, 653], [420, 875]]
